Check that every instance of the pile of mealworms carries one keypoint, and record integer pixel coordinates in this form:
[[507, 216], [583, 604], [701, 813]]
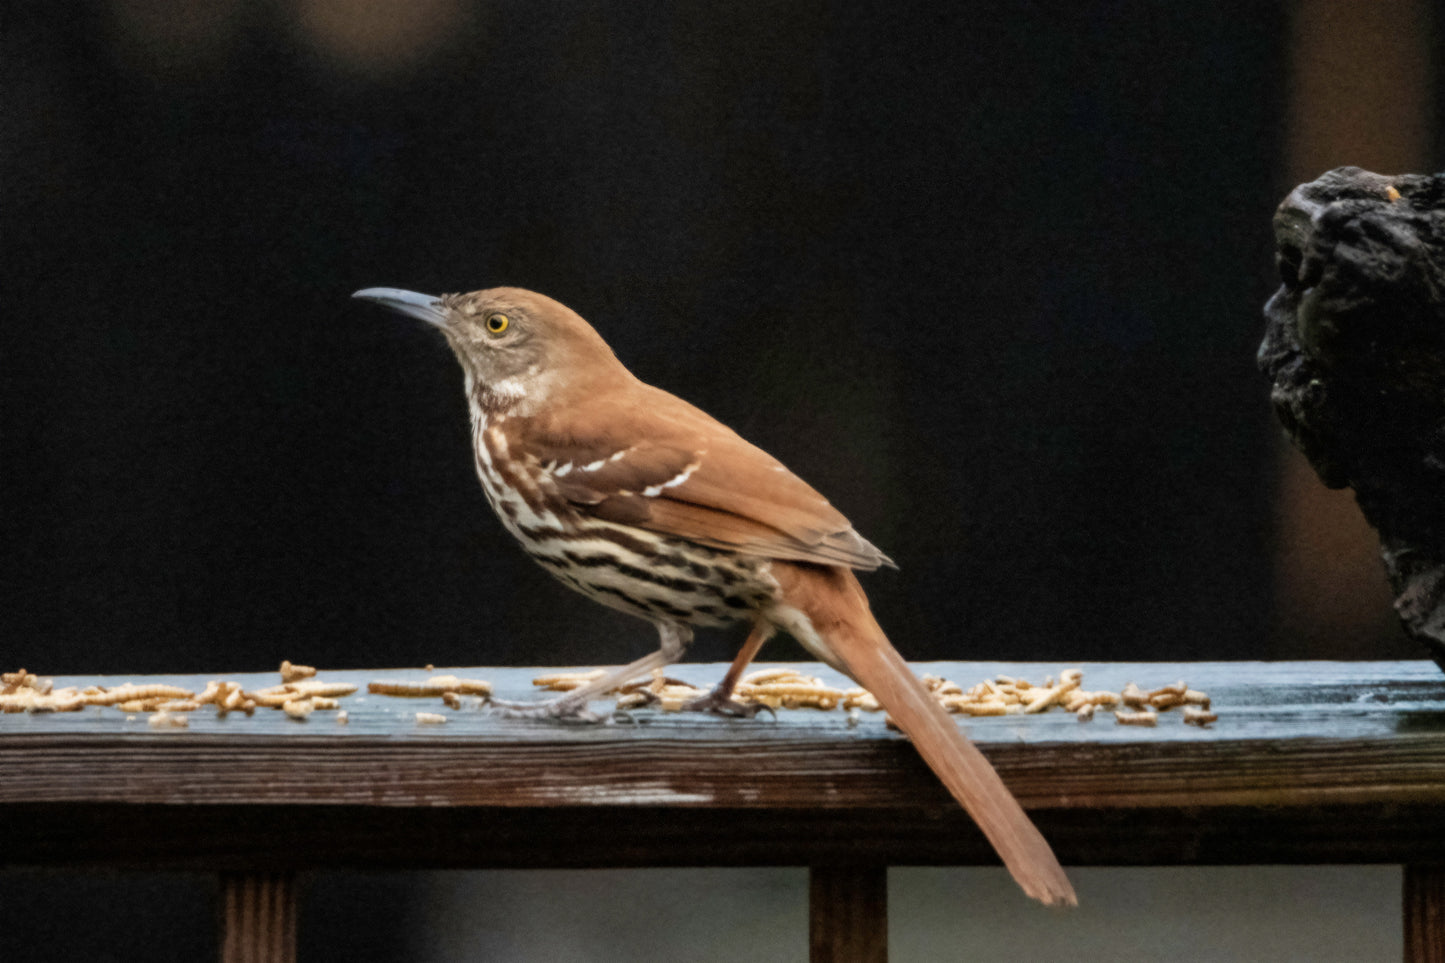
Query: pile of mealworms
[[300, 693]]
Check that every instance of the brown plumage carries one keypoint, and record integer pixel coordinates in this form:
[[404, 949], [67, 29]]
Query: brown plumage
[[646, 504]]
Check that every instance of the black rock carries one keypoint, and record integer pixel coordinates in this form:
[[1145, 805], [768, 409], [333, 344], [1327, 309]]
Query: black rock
[[1355, 347]]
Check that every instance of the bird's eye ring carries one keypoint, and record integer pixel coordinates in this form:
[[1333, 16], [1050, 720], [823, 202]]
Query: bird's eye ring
[[498, 323]]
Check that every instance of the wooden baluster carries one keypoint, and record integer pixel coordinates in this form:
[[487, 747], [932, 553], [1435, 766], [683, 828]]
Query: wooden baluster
[[258, 918], [1425, 914], [848, 914]]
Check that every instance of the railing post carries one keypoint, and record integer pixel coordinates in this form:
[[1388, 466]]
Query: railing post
[[848, 914], [258, 918], [1424, 914]]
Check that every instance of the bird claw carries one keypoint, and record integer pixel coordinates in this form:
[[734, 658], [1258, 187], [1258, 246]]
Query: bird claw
[[564, 709], [727, 706]]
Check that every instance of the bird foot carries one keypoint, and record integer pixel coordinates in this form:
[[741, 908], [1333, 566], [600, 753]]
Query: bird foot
[[723, 705], [564, 708]]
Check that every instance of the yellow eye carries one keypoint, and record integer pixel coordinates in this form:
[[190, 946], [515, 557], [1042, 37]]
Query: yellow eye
[[497, 323]]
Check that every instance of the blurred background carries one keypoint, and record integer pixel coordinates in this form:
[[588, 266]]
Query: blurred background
[[989, 275], [990, 278]]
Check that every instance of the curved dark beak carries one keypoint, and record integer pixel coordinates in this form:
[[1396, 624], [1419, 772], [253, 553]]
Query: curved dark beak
[[423, 307]]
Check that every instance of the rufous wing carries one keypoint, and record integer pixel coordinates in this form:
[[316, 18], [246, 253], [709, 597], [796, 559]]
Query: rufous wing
[[651, 460]]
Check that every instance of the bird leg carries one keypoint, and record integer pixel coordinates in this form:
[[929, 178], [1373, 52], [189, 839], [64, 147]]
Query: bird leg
[[675, 637], [720, 700]]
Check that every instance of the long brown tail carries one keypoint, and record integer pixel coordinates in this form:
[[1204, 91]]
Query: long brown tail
[[835, 613]]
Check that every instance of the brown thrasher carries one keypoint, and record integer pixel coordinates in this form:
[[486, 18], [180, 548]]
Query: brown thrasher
[[646, 504]]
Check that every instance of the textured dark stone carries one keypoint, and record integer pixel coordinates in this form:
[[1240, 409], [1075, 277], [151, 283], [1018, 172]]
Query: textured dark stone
[[1355, 347]]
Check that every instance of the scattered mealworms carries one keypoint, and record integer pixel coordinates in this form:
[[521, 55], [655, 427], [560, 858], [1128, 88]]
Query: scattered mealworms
[[19, 679], [778, 687], [786, 687], [669, 695], [1169, 696], [235, 700], [1051, 695], [214, 693], [791, 694]]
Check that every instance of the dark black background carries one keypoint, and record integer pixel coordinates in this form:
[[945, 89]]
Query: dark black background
[[988, 276]]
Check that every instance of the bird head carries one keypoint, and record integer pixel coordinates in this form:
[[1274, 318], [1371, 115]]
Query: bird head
[[518, 348]]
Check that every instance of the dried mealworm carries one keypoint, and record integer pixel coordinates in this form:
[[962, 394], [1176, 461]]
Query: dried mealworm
[[567, 681], [132, 693], [636, 699], [327, 690], [986, 708], [405, 690], [1133, 696], [294, 673], [268, 699], [860, 699], [1143, 718], [476, 687], [430, 719], [298, 708], [165, 720], [140, 705], [1196, 716], [1041, 700], [214, 692], [764, 676]]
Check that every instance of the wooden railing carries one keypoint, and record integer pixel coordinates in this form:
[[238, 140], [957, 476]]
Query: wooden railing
[[1308, 763]]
